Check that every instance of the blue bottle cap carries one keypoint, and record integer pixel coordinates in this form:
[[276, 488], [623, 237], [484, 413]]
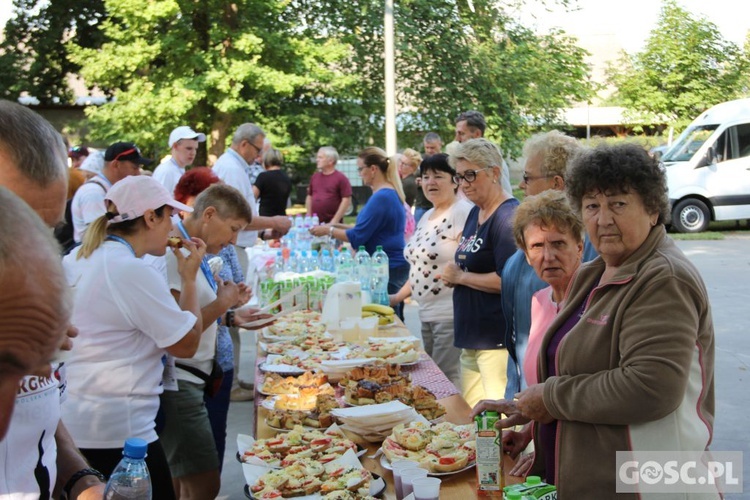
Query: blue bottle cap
[[135, 448]]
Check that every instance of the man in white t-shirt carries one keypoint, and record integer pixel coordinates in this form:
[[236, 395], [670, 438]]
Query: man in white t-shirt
[[233, 168], [37, 453], [122, 159], [183, 143]]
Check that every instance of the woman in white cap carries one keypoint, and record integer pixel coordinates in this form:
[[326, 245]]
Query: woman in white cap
[[128, 321]]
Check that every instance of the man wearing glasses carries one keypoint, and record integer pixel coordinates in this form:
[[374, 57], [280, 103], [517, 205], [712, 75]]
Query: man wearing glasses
[[122, 159], [471, 125], [233, 167]]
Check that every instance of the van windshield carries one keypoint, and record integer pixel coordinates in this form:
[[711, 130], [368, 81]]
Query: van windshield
[[688, 143]]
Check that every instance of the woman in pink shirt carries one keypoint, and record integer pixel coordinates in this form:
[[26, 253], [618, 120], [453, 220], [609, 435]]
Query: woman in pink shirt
[[551, 235]]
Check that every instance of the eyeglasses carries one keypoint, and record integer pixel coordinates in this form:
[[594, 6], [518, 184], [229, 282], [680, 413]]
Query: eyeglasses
[[256, 147], [126, 152], [469, 176], [526, 178]]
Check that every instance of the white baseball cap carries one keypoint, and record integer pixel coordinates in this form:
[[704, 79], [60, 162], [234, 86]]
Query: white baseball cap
[[185, 132], [93, 163], [136, 194]]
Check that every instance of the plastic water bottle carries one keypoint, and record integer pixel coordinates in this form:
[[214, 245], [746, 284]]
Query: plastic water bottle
[[130, 479], [313, 261], [292, 263], [326, 261], [302, 262], [363, 262], [297, 230], [379, 281], [345, 267], [278, 264], [315, 220]]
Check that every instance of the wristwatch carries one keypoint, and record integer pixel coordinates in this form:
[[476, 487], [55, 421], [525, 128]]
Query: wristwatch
[[229, 318], [330, 231]]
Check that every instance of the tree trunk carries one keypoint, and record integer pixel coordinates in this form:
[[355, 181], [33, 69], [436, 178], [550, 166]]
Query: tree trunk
[[218, 138]]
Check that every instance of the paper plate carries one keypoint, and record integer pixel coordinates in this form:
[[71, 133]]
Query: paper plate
[[266, 367], [386, 464]]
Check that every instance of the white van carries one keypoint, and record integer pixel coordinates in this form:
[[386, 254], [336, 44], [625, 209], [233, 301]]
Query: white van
[[708, 168]]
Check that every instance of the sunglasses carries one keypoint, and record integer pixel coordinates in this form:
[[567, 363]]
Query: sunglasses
[[469, 176]]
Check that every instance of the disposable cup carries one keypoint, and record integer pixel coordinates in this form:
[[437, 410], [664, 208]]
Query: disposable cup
[[407, 476], [368, 327], [426, 488], [399, 466], [349, 330]]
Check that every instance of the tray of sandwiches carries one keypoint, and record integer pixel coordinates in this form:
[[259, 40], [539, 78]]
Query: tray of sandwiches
[[285, 449], [442, 449], [295, 324], [297, 362], [308, 479], [403, 351], [382, 383], [323, 343]]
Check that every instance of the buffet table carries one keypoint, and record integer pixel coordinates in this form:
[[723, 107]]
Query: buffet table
[[426, 373]]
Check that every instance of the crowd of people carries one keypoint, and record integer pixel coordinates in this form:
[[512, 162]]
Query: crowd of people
[[548, 310]]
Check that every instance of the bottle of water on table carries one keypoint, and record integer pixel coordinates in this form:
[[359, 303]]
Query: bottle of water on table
[[130, 480], [380, 274], [363, 264]]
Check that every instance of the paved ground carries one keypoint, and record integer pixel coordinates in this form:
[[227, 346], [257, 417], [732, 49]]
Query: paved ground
[[725, 266]]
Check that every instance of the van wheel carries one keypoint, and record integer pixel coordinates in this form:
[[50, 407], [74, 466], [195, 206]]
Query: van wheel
[[691, 216]]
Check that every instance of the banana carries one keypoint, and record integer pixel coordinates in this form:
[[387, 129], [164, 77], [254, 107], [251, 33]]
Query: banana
[[366, 314], [385, 320], [379, 309]]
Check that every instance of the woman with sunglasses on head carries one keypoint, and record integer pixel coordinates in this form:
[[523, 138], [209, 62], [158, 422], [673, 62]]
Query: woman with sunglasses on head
[[382, 220], [127, 322], [486, 243]]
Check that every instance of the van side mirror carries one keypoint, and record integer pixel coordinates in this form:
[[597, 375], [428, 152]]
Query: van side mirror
[[711, 156]]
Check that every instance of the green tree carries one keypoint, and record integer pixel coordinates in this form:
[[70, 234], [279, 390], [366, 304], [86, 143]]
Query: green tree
[[453, 56], [211, 64], [33, 55], [685, 67]]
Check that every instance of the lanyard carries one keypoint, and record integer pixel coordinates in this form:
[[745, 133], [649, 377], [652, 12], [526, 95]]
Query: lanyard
[[112, 237], [204, 263]]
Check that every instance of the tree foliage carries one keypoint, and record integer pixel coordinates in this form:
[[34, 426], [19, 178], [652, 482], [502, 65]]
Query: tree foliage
[[685, 67], [33, 54], [311, 71]]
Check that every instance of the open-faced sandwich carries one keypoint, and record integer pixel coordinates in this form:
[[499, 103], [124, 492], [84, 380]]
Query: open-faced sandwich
[[440, 448], [288, 448], [306, 477]]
